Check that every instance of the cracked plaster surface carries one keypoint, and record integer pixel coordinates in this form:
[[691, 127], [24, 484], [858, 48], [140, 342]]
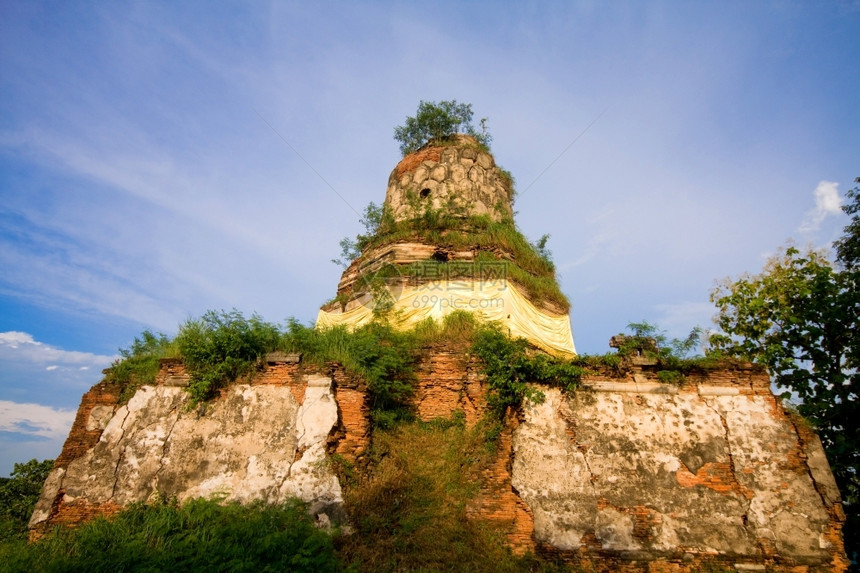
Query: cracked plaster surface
[[657, 472], [256, 443]]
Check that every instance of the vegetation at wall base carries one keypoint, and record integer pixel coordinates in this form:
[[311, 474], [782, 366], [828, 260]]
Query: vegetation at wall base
[[410, 509], [200, 535], [412, 506]]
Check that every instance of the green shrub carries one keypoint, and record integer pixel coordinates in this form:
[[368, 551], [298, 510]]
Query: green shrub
[[383, 356], [670, 376], [438, 121], [139, 363], [220, 347], [671, 357], [200, 535], [510, 365]]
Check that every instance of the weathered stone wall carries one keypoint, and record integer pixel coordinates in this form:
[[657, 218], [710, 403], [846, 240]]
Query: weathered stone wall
[[460, 172], [651, 473], [626, 474], [264, 441]]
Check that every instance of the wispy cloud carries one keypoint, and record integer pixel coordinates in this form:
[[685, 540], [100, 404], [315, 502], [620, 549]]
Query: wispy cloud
[[21, 346], [827, 202], [34, 421]]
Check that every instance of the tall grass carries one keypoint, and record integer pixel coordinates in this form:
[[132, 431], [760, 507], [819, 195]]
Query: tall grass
[[201, 535]]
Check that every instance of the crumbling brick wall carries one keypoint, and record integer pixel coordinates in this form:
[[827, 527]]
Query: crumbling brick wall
[[626, 474]]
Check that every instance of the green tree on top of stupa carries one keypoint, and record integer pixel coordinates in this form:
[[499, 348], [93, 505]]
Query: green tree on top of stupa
[[439, 121]]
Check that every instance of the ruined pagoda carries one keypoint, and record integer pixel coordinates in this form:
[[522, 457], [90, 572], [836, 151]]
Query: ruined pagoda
[[447, 242]]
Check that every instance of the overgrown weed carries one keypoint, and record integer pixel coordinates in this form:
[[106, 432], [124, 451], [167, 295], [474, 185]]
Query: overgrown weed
[[410, 509]]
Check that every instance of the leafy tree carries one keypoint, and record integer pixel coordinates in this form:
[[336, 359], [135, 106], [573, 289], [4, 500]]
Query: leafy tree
[[438, 121], [799, 318], [848, 247], [19, 494]]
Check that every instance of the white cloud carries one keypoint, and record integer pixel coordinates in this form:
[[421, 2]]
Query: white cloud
[[35, 420], [30, 431], [21, 346], [14, 338], [827, 202]]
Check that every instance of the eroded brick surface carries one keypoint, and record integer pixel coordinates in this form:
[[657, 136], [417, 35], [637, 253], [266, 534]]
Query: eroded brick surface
[[624, 475], [497, 501], [625, 480], [81, 439], [413, 160], [449, 381]]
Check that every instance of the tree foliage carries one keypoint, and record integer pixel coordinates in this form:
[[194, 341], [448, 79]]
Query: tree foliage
[[438, 121], [799, 318], [19, 494], [848, 247]]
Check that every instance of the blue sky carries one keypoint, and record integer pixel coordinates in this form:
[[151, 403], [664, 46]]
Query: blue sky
[[140, 186]]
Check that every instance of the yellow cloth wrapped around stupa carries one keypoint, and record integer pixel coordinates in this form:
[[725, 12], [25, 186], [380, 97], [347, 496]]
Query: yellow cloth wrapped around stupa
[[491, 300]]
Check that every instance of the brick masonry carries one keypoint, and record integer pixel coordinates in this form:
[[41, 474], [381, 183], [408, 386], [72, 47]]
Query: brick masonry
[[710, 466], [81, 438]]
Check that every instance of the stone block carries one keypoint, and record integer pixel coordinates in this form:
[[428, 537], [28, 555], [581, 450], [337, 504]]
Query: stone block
[[284, 357], [420, 175], [439, 173]]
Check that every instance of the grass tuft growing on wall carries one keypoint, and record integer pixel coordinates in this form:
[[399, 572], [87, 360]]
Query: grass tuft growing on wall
[[139, 363], [529, 264]]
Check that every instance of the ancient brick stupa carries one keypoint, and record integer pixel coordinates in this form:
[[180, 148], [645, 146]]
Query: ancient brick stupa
[[626, 473], [458, 263]]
